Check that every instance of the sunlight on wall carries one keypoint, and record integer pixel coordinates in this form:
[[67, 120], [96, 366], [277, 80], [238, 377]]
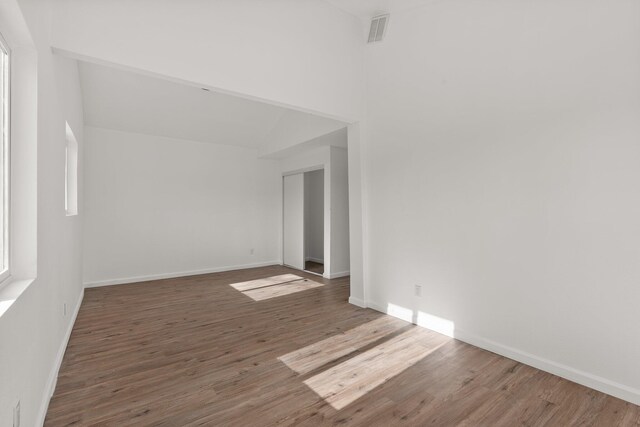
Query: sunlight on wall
[[4, 305], [322, 352], [425, 320], [400, 312], [9, 293], [435, 323]]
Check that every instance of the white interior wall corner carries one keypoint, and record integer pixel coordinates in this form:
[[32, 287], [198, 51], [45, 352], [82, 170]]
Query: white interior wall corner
[[513, 204]]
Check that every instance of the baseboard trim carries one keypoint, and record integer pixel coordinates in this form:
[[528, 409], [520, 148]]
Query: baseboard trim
[[357, 302], [595, 382], [377, 307], [318, 260], [586, 379], [337, 275], [53, 375], [146, 278]]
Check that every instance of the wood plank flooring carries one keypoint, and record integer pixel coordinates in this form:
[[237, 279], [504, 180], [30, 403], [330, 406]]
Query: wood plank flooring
[[282, 289], [195, 351], [314, 267], [264, 282]]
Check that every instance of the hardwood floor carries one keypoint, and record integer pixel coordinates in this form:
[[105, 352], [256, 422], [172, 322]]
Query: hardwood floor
[[314, 267], [196, 351]]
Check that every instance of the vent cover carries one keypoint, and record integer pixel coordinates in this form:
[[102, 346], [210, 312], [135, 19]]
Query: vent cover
[[378, 26]]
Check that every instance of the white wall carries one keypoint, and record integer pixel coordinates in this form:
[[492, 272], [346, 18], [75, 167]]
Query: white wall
[[314, 215], [165, 207], [356, 218], [501, 162], [301, 53], [295, 128], [34, 329], [339, 212]]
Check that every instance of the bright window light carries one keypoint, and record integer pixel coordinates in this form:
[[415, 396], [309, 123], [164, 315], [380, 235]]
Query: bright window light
[[435, 323], [71, 182], [405, 314], [5, 105]]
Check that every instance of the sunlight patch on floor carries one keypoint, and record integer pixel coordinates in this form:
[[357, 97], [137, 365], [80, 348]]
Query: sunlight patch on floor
[[274, 291], [267, 281], [352, 379], [274, 286], [322, 352]]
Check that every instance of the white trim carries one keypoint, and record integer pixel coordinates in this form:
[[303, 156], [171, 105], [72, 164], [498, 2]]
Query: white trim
[[318, 260], [53, 375], [586, 379], [135, 279], [336, 275], [5, 146], [357, 302], [377, 307], [10, 291], [314, 168], [604, 385]]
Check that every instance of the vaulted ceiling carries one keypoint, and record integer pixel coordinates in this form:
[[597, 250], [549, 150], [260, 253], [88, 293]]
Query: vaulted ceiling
[[132, 102]]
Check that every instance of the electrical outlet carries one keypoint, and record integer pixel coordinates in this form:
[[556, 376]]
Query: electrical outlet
[[251, 251], [16, 415], [418, 290], [64, 309]]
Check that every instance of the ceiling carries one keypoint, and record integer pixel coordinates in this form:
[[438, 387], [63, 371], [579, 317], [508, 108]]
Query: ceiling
[[368, 8], [132, 102]]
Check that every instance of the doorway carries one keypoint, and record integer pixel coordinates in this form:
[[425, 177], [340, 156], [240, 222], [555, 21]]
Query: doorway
[[304, 221], [293, 221], [314, 221]]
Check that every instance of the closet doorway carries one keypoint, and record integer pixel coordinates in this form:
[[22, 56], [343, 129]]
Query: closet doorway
[[314, 221], [303, 221]]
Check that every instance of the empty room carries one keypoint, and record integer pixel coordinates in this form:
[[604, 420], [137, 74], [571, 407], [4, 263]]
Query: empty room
[[319, 212]]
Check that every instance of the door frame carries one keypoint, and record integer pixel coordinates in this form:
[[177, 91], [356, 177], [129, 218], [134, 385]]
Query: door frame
[[302, 171]]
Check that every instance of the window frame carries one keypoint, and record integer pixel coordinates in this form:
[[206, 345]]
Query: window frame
[[5, 146]]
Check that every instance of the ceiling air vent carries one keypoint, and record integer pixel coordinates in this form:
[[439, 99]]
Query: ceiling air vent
[[378, 26]]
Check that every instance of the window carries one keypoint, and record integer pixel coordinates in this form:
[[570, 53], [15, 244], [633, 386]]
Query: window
[[71, 181], [4, 158]]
